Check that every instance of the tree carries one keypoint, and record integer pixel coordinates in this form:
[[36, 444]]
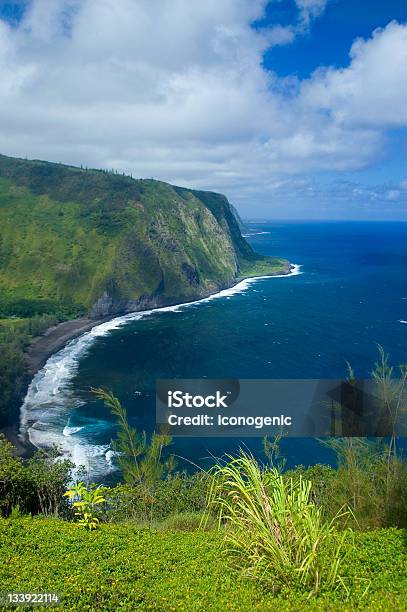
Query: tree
[[12, 478], [49, 476], [140, 459]]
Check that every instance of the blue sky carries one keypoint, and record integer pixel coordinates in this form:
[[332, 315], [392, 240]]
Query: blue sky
[[292, 108], [332, 33]]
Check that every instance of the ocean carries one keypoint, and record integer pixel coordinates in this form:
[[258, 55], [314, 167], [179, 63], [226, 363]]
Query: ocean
[[349, 295]]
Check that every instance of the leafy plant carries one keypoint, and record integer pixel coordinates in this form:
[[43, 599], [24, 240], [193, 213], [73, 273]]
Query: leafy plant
[[48, 475], [141, 460], [86, 503], [272, 451], [177, 494], [273, 530], [12, 477]]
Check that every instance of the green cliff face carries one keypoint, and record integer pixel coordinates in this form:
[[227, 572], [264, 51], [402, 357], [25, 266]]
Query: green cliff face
[[81, 241]]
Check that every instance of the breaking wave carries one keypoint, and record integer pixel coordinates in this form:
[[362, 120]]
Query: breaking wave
[[45, 416]]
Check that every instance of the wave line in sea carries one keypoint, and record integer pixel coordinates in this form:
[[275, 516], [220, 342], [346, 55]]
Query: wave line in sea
[[49, 402]]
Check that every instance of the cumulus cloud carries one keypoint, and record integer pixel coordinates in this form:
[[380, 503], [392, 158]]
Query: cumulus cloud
[[176, 90], [372, 90]]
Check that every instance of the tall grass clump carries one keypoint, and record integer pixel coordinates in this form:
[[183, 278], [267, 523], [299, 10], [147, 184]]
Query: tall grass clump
[[273, 531]]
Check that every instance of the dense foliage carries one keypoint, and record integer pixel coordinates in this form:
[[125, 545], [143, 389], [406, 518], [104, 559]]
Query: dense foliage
[[375, 490], [120, 567], [372, 485], [178, 496], [147, 548], [36, 486], [15, 335]]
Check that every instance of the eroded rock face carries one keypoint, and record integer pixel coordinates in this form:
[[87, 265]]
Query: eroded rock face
[[107, 305], [104, 306]]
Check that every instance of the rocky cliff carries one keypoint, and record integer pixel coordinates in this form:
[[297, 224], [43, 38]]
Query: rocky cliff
[[80, 241]]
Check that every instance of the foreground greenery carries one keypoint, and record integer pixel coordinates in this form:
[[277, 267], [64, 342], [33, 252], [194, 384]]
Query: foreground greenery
[[121, 567], [158, 546], [245, 535], [274, 531]]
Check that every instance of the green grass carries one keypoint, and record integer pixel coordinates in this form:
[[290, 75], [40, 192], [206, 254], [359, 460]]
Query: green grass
[[120, 567], [266, 266], [11, 321]]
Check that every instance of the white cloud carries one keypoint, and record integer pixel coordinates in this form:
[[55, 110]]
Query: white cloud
[[310, 9], [179, 93], [372, 90]]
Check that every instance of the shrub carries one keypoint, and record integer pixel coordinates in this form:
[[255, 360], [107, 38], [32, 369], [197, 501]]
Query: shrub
[[273, 530], [369, 481], [178, 494], [48, 475], [35, 487], [86, 502], [12, 478]]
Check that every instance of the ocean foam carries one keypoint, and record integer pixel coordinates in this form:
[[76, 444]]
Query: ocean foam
[[69, 431], [48, 404], [255, 234]]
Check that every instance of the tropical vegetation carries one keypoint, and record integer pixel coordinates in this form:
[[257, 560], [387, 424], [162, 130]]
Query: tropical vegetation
[[78, 242]]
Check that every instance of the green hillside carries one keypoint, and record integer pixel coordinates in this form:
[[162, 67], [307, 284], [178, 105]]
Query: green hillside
[[76, 241]]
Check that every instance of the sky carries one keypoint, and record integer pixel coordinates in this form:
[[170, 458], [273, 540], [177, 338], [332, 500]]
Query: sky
[[294, 109]]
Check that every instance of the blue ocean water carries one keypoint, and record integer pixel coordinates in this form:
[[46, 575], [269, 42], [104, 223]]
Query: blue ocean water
[[351, 296]]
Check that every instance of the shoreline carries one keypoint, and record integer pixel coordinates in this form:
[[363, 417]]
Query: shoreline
[[55, 338]]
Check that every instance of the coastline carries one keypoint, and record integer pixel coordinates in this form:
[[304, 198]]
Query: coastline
[[54, 339], [58, 336]]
